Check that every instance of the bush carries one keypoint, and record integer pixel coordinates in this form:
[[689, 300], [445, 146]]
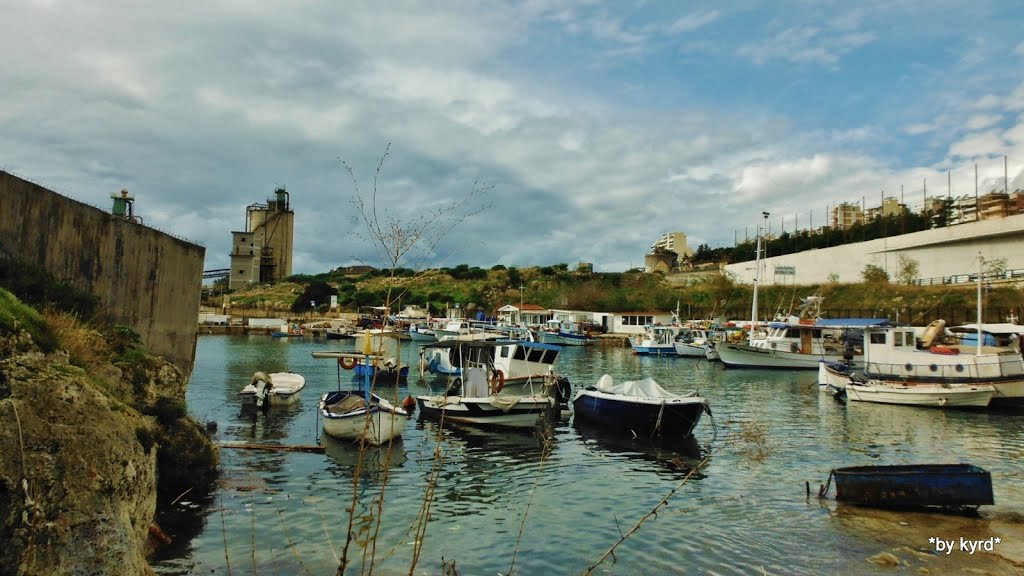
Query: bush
[[874, 275]]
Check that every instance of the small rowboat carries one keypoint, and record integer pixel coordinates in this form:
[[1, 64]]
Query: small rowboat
[[914, 485]]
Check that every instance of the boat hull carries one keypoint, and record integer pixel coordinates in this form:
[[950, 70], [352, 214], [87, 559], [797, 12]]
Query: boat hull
[[675, 417], [510, 411], [287, 386], [949, 396], [915, 485], [376, 424], [833, 375], [735, 355], [687, 350]]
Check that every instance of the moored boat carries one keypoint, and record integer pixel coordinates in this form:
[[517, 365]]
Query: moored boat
[[481, 398], [914, 485], [359, 415], [640, 407], [935, 395], [275, 389]]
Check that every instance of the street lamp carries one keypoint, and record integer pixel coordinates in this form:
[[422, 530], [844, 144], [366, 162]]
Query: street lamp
[[521, 303]]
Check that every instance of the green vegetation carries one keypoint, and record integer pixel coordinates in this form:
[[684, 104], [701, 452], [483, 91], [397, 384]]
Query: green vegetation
[[16, 316], [41, 290]]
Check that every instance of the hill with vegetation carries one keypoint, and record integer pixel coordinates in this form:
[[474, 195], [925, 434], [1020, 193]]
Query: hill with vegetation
[[697, 295]]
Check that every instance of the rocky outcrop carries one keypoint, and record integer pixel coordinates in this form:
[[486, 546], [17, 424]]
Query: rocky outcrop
[[81, 458]]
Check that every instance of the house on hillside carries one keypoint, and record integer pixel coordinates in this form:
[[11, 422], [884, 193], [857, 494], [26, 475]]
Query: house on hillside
[[529, 314]]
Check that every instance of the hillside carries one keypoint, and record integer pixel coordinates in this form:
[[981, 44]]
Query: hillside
[[698, 295]]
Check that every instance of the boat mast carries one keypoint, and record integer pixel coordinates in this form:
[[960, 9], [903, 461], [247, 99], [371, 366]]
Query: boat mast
[[757, 281], [981, 265]]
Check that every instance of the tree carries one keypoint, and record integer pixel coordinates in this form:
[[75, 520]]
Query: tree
[[908, 270], [874, 275], [401, 241]]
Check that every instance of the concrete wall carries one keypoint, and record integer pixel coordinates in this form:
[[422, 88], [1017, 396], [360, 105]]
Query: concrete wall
[[949, 251], [144, 278]]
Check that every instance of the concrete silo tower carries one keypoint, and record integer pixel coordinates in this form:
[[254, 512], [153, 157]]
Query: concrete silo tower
[[263, 251]]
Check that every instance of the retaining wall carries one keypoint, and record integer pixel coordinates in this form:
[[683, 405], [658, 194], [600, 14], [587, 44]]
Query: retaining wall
[[144, 278]]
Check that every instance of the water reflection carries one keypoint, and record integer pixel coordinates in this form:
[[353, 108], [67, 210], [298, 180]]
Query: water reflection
[[671, 456], [372, 461]]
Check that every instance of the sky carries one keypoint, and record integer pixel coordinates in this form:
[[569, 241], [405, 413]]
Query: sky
[[525, 133]]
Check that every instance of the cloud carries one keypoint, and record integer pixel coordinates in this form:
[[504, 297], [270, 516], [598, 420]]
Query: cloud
[[805, 45], [982, 121], [693, 21], [977, 145]]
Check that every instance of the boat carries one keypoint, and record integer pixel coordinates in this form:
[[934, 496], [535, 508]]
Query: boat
[[801, 341], [657, 340], [422, 332], [481, 398], [914, 485], [896, 356], [571, 334], [338, 333], [692, 342], [381, 369], [283, 389], [517, 361], [935, 395], [640, 407], [548, 333], [834, 375], [287, 330], [359, 414]]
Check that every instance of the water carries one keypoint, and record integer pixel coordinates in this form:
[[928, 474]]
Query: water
[[746, 512]]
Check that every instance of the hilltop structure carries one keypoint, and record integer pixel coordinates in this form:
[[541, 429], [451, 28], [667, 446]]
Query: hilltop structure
[[263, 251], [666, 253]]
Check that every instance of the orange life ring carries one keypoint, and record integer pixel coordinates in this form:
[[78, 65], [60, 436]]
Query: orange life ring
[[347, 362], [498, 381]]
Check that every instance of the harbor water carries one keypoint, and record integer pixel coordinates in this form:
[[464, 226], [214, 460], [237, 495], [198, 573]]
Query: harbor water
[[556, 500]]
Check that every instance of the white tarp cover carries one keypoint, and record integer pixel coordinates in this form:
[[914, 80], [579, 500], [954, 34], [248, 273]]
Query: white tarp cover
[[646, 388]]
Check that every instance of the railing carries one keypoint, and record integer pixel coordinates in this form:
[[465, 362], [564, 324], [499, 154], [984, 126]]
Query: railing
[[964, 278]]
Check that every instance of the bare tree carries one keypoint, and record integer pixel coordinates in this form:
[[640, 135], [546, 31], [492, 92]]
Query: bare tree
[[401, 240]]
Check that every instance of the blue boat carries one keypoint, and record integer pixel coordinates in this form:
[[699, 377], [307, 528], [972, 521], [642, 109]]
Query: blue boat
[[639, 408], [914, 485], [389, 370]]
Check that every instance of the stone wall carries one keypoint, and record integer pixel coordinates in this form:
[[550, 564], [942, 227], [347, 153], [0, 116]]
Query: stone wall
[[144, 278]]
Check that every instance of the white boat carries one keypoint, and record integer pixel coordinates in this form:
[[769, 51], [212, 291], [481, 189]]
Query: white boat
[[657, 340], [834, 375], [936, 395], [692, 343], [571, 334], [357, 415], [283, 390], [896, 356], [482, 399], [800, 344], [519, 362], [422, 333]]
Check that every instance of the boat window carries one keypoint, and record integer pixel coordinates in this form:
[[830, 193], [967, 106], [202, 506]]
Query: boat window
[[520, 353], [909, 367], [536, 354], [550, 356], [933, 368], [959, 367], [504, 351], [898, 338], [878, 338]]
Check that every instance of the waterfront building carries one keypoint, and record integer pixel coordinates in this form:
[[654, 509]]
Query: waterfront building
[[262, 252]]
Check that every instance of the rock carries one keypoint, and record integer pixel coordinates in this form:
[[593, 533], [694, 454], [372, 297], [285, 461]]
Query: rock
[[885, 559]]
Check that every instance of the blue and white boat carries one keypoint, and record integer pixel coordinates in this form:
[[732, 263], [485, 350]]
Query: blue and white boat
[[639, 407], [358, 414], [515, 362], [657, 340]]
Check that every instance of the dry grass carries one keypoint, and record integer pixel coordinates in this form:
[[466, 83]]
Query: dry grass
[[753, 441], [85, 346]]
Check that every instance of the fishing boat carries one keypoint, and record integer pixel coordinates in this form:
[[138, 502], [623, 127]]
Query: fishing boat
[[422, 332], [914, 485], [481, 398], [359, 414], [657, 340], [276, 389], [571, 334], [517, 361], [834, 375], [640, 407], [935, 395], [692, 343]]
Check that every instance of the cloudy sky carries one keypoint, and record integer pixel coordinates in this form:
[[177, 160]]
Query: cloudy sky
[[592, 128]]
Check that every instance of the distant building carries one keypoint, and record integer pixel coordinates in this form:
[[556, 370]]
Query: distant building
[[660, 262], [846, 215], [673, 242], [263, 251]]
